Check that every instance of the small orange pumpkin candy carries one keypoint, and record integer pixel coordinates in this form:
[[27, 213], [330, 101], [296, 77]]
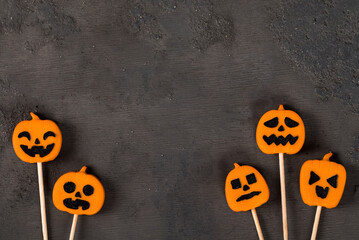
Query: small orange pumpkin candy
[[322, 182], [245, 188], [37, 140], [280, 131], [78, 193]]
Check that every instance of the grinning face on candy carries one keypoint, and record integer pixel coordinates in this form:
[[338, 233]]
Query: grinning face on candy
[[280, 131], [245, 188], [37, 140], [78, 193], [322, 182]]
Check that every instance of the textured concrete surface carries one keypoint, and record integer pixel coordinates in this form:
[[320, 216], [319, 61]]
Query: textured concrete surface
[[160, 98]]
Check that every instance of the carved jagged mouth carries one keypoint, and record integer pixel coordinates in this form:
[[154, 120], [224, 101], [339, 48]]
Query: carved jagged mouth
[[76, 204], [38, 150], [280, 140], [248, 196]]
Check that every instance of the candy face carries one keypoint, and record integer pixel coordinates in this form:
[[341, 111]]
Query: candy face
[[78, 193], [280, 131], [37, 140], [245, 188], [322, 182]]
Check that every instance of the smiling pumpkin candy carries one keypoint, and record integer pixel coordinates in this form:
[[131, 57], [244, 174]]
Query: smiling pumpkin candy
[[322, 182], [37, 140]]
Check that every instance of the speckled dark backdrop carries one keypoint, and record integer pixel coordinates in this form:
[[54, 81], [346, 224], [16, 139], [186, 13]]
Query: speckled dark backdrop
[[160, 98]]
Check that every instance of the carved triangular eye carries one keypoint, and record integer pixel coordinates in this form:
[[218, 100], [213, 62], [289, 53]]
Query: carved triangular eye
[[313, 178], [271, 123], [333, 181]]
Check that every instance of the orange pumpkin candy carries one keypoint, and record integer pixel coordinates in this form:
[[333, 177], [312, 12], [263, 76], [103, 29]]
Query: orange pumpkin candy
[[78, 193], [37, 140], [280, 131], [245, 188], [322, 182]]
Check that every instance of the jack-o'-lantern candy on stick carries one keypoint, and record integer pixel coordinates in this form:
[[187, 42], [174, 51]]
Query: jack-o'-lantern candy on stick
[[322, 184], [37, 141], [246, 189], [278, 132], [78, 193]]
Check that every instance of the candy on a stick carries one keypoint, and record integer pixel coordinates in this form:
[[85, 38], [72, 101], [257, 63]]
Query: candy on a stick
[[322, 184], [278, 132], [37, 141], [78, 193], [246, 189]]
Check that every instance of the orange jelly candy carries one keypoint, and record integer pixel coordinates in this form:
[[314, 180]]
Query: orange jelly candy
[[37, 140], [78, 193], [322, 182], [245, 188], [280, 131]]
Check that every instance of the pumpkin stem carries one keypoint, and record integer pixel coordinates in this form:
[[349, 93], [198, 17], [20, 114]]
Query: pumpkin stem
[[327, 156], [83, 169], [34, 116], [281, 107], [236, 165]]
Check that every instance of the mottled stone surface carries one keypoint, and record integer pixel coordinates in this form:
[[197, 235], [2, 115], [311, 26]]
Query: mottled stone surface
[[160, 98]]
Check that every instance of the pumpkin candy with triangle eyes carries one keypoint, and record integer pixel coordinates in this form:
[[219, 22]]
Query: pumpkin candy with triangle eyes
[[245, 188], [280, 131], [322, 182], [78, 193], [37, 140]]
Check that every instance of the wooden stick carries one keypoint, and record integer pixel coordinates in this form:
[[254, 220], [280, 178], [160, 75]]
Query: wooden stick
[[42, 200], [316, 223], [256, 222], [284, 202], [73, 227]]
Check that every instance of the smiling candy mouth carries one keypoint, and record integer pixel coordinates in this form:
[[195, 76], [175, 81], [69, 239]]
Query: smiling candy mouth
[[248, 196], [76, 204], [280, 140], [38, 150], [322, 192]]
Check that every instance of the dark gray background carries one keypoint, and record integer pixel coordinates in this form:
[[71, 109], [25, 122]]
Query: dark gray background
[[160, 98]]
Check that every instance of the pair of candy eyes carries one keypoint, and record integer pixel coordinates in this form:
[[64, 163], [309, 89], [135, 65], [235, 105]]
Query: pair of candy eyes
[[28, 136], [236, 183], [274, 123], [333, 181], [70, 187]]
